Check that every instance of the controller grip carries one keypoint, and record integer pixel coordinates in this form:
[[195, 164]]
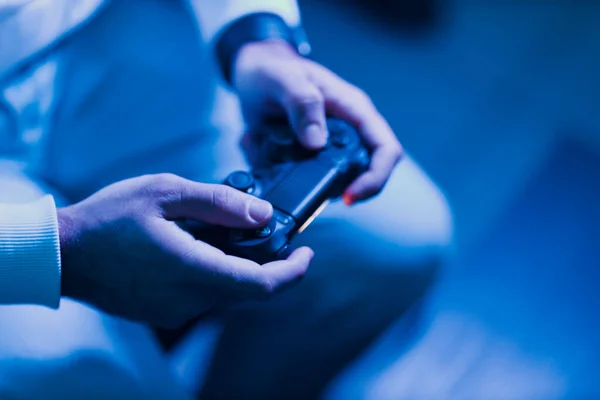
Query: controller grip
[[285, 252]]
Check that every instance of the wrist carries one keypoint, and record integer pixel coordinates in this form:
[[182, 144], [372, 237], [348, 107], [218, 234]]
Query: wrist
[[70, 253], [252, 55], [254, 29]]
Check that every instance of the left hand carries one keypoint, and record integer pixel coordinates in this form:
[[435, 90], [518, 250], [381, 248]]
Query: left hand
[[272, 80]]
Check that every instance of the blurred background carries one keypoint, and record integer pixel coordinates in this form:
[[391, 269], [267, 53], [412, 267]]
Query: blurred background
[[499, 102]]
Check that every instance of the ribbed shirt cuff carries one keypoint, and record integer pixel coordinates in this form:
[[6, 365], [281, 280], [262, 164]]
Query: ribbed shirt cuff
[[30, 253]]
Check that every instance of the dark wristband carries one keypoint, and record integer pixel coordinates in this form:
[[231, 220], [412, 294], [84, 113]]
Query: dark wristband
[[255, 27]]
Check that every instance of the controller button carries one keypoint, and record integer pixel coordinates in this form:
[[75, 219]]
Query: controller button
[[263, 232], [340, 140], [283, 219], [241, 180]]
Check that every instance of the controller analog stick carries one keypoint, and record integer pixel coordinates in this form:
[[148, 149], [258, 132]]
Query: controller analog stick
[[341, 140], [337, 134], [241, 180], [280, 145]]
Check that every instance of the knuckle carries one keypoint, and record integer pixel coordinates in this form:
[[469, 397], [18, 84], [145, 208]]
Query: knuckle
[[167, 187], [221, 196], [396, 151], [266, 287], [163, 182], [307, 99]]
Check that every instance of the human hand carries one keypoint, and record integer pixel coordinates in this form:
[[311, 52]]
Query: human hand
[[273, 80], [124, 252]]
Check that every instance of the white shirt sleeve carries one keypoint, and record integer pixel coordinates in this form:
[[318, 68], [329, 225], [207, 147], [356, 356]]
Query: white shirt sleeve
[[213, 15], [30, 253]]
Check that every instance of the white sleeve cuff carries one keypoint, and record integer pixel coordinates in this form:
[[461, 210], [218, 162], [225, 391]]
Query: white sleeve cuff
[[30, 253], [214, 15]]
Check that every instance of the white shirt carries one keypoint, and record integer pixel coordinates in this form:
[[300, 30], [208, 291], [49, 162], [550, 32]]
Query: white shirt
[[30, 264]]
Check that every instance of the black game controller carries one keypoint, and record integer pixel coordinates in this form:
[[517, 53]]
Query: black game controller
[[298, 182]]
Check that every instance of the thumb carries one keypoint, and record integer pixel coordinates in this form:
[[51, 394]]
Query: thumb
[[305, 107], [216, 205]]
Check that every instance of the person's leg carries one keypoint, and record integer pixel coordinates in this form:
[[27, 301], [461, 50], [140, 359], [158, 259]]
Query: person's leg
[[133, 108], [74, 352]]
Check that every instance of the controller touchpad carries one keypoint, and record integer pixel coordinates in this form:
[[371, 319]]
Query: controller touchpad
[[299, 193]]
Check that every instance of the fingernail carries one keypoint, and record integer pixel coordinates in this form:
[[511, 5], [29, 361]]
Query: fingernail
[[260, 210], [348, 199], [316, 137]]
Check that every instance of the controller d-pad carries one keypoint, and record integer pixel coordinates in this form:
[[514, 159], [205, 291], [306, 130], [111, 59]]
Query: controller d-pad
[[239, 235], [284, 219], [263, 232]]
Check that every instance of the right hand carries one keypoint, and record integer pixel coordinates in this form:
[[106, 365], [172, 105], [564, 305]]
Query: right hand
[[123, 252]]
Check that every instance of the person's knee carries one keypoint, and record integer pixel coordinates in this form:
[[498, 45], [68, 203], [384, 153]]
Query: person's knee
[[388, 251], [414, 218], [408, 225]]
